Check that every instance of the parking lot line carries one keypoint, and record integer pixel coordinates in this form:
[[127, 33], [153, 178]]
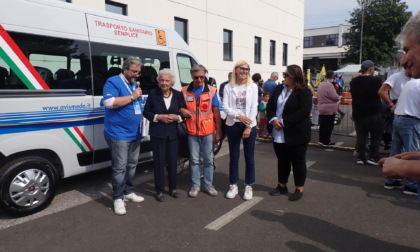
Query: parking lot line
[[232, 214]]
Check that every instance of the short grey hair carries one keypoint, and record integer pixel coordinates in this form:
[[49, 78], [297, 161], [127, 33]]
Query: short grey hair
[[166, 71], [412, 29], [274, 74], [198, 67], [132, 60]]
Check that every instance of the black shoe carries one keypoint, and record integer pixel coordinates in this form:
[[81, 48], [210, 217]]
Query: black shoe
[[410, 191], [279, 190], [373, 161], [160, 197], [296, 195], [394, 185], [174, 194]]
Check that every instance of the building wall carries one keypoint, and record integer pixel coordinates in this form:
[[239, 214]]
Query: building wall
[[281, 21]]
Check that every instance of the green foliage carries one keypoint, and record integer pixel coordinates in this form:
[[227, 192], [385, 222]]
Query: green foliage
[[383, 21]]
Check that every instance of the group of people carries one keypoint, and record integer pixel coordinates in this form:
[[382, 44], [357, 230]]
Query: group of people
[[287, 112], [197, 105]]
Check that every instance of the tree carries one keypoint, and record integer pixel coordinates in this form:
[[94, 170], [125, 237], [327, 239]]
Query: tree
[[379, 22]]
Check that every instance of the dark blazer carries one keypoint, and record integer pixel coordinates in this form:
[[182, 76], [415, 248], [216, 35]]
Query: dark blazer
[[296, 120], [156, 105]]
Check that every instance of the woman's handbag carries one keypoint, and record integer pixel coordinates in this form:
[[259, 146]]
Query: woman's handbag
[[182, 130]]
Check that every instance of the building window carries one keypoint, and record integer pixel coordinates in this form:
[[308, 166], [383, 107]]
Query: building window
[[345, 40], [181, 27], [308, 42], [227, 45], [285, 52], [116, 8], [331, 40], [257, 50], [67, 1], [272, 52]]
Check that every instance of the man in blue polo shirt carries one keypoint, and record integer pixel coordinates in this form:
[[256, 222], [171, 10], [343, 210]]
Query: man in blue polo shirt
[[123, 114]]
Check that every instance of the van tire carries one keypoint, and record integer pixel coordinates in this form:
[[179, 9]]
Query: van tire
[[27, 185]]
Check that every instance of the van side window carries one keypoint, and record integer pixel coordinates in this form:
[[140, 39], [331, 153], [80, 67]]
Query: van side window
[[107, 61], [55, 61], [185, 63]]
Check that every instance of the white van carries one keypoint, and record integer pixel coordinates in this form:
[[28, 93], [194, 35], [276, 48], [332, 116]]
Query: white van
[[54, 60]]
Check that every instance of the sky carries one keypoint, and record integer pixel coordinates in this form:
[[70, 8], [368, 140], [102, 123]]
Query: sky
[[334, 12]]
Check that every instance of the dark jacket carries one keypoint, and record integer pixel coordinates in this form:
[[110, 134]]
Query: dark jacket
[[296, 121], [156, 105]]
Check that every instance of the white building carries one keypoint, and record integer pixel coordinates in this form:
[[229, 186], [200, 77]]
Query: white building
[[268, 34], [324, 46]]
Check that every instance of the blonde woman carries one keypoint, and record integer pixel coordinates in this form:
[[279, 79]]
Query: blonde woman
[[240, 103]]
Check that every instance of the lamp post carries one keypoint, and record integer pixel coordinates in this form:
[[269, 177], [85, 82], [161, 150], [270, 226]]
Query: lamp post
[[361, 29]]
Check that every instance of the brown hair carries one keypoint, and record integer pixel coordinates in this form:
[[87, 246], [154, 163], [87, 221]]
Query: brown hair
[[296, 73]]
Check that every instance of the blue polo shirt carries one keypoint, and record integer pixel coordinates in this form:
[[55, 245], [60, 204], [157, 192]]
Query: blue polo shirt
[[121, 123]]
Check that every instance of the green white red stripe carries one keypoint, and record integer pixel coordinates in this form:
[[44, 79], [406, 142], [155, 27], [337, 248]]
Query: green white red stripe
[[19, 63]]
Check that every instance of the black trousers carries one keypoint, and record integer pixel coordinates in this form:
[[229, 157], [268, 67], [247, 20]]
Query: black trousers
[[165, 154], [326, 125], [289, 156]]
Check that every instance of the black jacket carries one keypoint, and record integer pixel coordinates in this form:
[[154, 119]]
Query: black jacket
[[296, 120], [156, 105]]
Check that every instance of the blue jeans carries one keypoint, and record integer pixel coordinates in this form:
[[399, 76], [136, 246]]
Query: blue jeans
[[125, 156], [234, 134], [201, 146], [405, 138]]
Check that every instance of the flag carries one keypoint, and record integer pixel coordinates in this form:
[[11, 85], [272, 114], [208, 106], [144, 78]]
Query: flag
[[321, 75], [308, 76]]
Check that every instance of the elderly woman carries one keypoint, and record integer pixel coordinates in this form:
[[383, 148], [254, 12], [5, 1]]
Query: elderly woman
[[162, 110], [288, 110], [240, 103]]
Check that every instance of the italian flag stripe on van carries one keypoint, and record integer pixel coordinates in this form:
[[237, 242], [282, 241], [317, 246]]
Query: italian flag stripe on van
[[18, 62]]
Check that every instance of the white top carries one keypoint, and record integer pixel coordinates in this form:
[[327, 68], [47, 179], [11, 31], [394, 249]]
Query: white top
[[230, 103], [396, 82], [409, 101], [278, 135]]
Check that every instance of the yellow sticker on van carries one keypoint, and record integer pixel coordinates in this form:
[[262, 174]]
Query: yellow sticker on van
[[160, 37]]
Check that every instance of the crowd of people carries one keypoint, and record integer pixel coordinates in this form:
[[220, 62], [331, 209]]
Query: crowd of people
[[282, 112]]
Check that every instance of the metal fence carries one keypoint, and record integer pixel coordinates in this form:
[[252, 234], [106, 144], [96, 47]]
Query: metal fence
[[343, 124]]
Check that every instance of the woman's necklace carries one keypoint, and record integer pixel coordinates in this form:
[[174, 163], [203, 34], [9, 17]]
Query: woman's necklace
[[167, 96]]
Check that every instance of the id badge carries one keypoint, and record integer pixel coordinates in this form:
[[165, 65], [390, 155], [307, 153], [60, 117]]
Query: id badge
[[137, 109], [190, 98]]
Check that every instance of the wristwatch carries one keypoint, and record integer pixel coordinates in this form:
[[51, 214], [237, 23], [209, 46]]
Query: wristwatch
[[132, 98]]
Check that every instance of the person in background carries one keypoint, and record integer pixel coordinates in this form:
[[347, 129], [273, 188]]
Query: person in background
[[223, 84], [288, 110], [327, 106], [367, 113], [271, 84], [340, 84], [263, 114], [162, 110], [122, 130], [203, 121], [240, 105], [256, 78]]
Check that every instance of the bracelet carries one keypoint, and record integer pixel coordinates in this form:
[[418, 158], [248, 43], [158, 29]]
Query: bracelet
[[131, 97], [391, 105]]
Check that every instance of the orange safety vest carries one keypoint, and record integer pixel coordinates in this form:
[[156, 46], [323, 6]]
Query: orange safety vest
[[202, 121]]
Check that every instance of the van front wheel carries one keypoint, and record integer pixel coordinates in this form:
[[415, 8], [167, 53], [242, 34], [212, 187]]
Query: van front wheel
[[27, 185]]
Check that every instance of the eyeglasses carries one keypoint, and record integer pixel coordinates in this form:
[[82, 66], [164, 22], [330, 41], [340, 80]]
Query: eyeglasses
[[134, 71], [244, 69], [285, 75], [199, 77]]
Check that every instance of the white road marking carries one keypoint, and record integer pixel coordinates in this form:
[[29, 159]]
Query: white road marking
[[69, 200], [232, 214]]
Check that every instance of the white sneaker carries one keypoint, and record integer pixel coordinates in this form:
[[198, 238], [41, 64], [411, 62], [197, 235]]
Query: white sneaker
[[133, 197], [248, 193], [232, 192], [119, 207], [194, 191]]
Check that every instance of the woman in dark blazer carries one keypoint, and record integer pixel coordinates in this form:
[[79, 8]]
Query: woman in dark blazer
[[288, 111], [162, 110]]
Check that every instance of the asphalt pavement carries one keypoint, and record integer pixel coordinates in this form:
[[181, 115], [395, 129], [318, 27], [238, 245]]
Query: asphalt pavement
[[344, 208]]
